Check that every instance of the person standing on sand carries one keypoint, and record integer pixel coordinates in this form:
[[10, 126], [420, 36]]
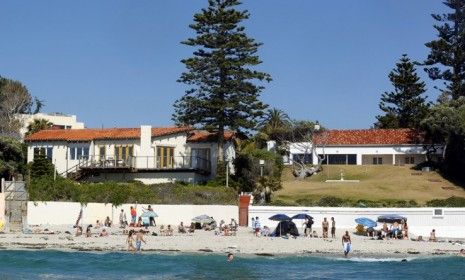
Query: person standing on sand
[[325, 226], [140, 239], [133, 215], [130, 241], [333, 228], [346, 243], [123, 221]]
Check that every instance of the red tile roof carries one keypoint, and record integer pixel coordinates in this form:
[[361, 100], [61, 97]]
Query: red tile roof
[[100, 134], [205, 136], [368, 137]]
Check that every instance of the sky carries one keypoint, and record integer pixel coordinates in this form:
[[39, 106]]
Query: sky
[[115, 63]]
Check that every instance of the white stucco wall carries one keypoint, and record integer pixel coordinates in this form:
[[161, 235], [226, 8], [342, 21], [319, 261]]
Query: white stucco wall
[[420, 220], [66, 213], [392, 151]]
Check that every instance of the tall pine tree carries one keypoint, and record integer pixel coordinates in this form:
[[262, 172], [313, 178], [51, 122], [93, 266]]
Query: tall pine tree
[[446, 62], [405, 106], [223, 92]]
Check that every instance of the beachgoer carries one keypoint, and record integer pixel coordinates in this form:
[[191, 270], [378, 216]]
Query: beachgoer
[[395, 229], [169, 231], [78, 231], [130, 241], [151, 219], [140, 239], [385, 231], [258, 227], [98, 224], [104, 233], [405, 231], [432, 236], [325, 226], [192, 228], [253, 225], [123, 221], [181, 228], [107, 222], [133, 215], [233, 225], [333, 228], [88, 231], [230, 257], [308, 227], [462, 253], [346, 243], [139, 222], [222, 225]]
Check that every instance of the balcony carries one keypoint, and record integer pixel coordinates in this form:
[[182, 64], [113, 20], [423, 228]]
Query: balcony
[[186, 163]]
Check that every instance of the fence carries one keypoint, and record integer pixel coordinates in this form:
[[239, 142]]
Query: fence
[[448, 222]]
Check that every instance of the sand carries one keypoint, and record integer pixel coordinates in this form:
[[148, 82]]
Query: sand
[[244, 243]]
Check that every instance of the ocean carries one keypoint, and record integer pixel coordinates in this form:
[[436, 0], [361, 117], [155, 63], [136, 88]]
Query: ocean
[[84, 265]]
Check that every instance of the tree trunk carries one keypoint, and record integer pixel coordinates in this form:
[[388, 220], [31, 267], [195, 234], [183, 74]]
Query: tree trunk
[[220, 142]]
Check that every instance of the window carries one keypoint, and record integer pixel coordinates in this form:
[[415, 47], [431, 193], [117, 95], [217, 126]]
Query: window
[[78, 152], [377, 160], [123, 152], [45, 151], [165, 157], [102, 152], [409, 160], [200, 158], [303, 158], [340, 159]]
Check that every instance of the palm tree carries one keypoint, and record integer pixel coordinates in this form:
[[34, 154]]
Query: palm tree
[[38, 125], [274, 123]]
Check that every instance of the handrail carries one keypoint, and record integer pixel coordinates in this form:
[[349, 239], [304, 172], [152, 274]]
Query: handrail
[[150, 162]]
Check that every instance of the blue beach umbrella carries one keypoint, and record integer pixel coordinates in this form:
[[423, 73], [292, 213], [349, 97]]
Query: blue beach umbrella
[[302, 217], [366, 222], [392, 218], [280, 217]]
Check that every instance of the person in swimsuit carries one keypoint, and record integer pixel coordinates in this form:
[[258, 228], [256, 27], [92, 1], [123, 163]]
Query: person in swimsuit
[[230, 257], [333, 228], [346, 243], [130, 241], [325, 226], [139, 240]]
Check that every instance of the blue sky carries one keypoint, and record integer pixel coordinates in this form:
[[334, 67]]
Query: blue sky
[[115, 63]]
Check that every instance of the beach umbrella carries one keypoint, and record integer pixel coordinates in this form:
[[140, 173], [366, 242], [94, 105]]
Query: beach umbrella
[[302, 217], [366, 222], [392, 218], [149, 214], [203, 219], [280, 217]]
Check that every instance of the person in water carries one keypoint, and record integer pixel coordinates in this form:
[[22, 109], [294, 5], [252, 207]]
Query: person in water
[[230, 257], [346, 243]]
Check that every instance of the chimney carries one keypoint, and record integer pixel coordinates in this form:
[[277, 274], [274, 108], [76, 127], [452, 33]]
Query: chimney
[[145, 140]]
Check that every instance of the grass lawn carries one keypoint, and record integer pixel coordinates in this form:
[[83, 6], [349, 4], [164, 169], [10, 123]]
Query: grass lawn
[[383, 182]]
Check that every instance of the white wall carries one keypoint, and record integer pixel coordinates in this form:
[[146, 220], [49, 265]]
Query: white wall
[[420, 220], [56, 119], [66, 213]]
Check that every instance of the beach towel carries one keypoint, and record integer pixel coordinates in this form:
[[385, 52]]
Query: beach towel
[[347, 247]]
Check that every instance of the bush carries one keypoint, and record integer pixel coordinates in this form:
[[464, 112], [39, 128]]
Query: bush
[[331, 201], [452, 201]]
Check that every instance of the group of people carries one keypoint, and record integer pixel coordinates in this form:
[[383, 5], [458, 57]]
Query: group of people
[[136, 221], [395, 230]]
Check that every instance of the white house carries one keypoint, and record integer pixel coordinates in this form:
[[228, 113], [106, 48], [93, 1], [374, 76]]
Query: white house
[[147, 154], [58, 120], [362, 147]]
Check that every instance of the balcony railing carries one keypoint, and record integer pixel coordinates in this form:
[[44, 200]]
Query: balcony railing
[[147, 163]]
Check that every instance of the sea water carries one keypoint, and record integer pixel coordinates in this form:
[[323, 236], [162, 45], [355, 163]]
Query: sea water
[[80, 265]]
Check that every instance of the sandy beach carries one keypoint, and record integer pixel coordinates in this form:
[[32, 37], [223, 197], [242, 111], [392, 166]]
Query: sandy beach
[[244, 243]]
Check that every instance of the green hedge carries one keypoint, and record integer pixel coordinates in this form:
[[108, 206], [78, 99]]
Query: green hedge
[[61, 189], [332, 201], [452, 201]]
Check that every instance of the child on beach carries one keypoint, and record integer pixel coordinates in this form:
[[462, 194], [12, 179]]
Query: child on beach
[[139, 240]]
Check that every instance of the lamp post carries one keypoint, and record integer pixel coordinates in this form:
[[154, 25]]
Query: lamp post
[[262, 165]]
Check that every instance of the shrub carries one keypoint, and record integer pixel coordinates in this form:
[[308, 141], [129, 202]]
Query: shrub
[[452, 201]]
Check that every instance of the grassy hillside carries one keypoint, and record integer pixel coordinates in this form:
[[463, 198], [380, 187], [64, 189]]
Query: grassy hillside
[[376, 183]]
